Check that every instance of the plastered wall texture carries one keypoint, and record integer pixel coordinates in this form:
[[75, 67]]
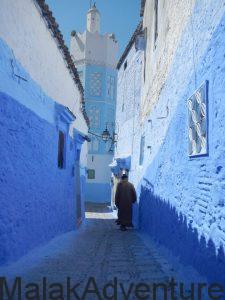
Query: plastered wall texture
[[173, 17], [37, 199], [23, 28], [128, 103], [94, 49], [182, 202]]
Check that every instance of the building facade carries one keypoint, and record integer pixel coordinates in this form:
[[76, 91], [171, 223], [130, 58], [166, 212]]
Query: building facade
[[95, 56], [43, 131], [176, 134], [129, 86]]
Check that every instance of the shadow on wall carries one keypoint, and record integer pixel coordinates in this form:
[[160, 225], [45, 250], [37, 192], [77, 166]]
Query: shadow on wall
[[170, 228]]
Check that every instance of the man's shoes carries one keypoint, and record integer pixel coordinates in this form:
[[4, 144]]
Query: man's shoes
[[117, 222], [123, 228]]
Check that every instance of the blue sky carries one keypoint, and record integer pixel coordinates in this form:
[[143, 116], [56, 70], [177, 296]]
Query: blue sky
[[118, 16]]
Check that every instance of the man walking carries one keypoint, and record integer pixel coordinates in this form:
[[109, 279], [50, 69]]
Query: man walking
[[124, 199]]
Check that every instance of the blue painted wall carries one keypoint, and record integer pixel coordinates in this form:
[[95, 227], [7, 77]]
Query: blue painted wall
[[37, 198], [182, 202], [98, 192], [181, 199]]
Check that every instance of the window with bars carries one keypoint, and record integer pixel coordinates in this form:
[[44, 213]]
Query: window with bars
[[197, 121]]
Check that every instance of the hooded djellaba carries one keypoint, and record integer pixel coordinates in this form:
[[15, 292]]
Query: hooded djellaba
[[124, 199]]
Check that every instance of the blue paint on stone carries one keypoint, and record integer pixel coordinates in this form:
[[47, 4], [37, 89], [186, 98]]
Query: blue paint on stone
[[181, 200], [37, 198], [172, 229]]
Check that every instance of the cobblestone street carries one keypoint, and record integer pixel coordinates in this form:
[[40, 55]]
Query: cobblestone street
[[99, 250]]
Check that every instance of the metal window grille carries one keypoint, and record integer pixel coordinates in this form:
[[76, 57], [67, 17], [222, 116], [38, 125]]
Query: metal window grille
[[198, 121]]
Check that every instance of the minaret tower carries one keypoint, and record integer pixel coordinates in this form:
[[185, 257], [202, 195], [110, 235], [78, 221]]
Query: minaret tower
[[95, 56], [93, 20]]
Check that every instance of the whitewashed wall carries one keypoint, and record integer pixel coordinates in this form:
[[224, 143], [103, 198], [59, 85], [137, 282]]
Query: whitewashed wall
[[129, 126], [94, 48], [37, 51], [172, 16], [33, 46]]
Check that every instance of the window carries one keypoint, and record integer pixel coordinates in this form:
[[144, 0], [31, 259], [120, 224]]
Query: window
[[91, 174], [156, 22], [96, 84], [110, 86], [142, 150], [197, 121], [61, 150]]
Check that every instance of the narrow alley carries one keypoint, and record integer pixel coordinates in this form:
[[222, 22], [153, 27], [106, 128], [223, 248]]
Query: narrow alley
[[94, 256], [112, 109]]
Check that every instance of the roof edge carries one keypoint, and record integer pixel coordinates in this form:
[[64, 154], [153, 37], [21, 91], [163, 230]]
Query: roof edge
[[143, 2], [130, 44], [56, 33]]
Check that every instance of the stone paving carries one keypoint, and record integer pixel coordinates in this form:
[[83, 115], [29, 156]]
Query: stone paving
[[99, 250]]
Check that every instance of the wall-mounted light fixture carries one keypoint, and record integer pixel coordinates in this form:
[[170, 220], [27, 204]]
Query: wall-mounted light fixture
[[106, 136]]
